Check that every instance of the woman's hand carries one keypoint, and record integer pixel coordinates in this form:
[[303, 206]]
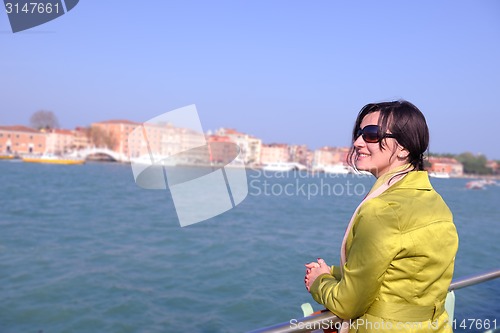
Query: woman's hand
[[313, 270]]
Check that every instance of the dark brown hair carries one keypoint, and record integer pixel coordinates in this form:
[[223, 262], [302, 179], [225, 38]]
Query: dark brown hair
[[405, 122]]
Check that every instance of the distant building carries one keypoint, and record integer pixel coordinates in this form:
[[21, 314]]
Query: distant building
[[163, 140], [250, 147], [81, 139], [153, 139], [300, 154], [21, 140], [59, 141], [328, 156], [275, 153], [222, 149], [493, 165], [117, 132], [446, 165]]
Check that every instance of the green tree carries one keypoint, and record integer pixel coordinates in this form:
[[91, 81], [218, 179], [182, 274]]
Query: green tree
[[475, 164]]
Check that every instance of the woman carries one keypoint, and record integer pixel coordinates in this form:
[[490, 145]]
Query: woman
[[398, 253]]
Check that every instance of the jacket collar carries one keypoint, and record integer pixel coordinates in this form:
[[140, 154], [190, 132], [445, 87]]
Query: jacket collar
[[418, 180]]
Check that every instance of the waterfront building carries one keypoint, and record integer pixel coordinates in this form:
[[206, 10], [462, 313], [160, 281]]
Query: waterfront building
[[300, 154], [113, 134], [81, 138], [329, 156], [163, 141], [154, 139], [222, 149], [275, 153], [250, 147], [21, 140], [493, 165], [59, 141], [446, 165], [192, 146]]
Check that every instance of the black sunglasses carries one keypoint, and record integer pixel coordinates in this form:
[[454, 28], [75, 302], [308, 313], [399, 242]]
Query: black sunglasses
[[370, 134]]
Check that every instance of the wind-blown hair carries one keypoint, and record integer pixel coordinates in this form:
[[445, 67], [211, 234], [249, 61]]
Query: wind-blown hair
[[405, 122]]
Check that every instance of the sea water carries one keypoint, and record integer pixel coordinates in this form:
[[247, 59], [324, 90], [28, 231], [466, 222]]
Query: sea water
[[84, 249]]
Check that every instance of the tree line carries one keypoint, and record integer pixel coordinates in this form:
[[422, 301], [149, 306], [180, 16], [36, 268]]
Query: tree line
[[47, 120], [473, 163]]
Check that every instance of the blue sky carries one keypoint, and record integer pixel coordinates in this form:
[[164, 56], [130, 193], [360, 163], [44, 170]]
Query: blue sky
[[285, 71]]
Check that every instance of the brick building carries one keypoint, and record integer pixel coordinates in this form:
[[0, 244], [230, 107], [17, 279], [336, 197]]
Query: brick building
[[275, 153], [446, 165], [329, 156], [20, 140]]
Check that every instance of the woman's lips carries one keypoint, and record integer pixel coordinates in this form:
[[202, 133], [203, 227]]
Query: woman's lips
[[363, 155]]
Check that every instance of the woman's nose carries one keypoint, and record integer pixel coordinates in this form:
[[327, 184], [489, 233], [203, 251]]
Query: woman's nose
[[359, 142]]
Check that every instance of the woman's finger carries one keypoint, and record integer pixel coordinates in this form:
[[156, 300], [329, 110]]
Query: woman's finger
[[312, 265]]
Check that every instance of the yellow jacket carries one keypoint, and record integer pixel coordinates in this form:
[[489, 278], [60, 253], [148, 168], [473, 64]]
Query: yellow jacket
[[400, 259]]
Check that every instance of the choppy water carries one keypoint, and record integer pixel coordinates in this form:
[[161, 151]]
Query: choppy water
[[83, 249]]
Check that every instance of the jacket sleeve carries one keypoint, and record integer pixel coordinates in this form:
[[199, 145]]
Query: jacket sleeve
[[335, 272], [375, 242]]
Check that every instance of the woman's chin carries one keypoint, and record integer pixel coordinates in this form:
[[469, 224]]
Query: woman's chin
[[366, 168], [362, 167]]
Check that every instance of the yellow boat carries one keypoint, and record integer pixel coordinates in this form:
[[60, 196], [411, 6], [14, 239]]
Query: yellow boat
[[53, 159], [6, 156]]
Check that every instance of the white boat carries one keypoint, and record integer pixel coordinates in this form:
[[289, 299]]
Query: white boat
[[475, 185], [154, 159], [337, 169], [283, 166], [480, 184], [490, 182], [439, 174]]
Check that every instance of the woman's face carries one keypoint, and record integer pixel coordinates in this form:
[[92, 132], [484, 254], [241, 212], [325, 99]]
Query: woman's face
[[369, 156]]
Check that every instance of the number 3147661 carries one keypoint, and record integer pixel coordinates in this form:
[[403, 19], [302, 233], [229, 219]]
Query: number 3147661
[[32, 8]]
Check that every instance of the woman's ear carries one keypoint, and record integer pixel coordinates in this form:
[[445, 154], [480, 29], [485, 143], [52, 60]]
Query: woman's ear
[[403, 153]]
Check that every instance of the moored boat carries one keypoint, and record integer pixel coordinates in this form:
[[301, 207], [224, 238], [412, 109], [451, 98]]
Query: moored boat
[[337, 169], [475, 185], [7, 156], [154, 159], [283, 166], [480, 184], [53, 159], [438, 174]]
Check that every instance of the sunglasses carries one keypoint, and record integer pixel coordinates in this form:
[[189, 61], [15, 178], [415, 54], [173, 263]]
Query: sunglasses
[[370, 134]]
